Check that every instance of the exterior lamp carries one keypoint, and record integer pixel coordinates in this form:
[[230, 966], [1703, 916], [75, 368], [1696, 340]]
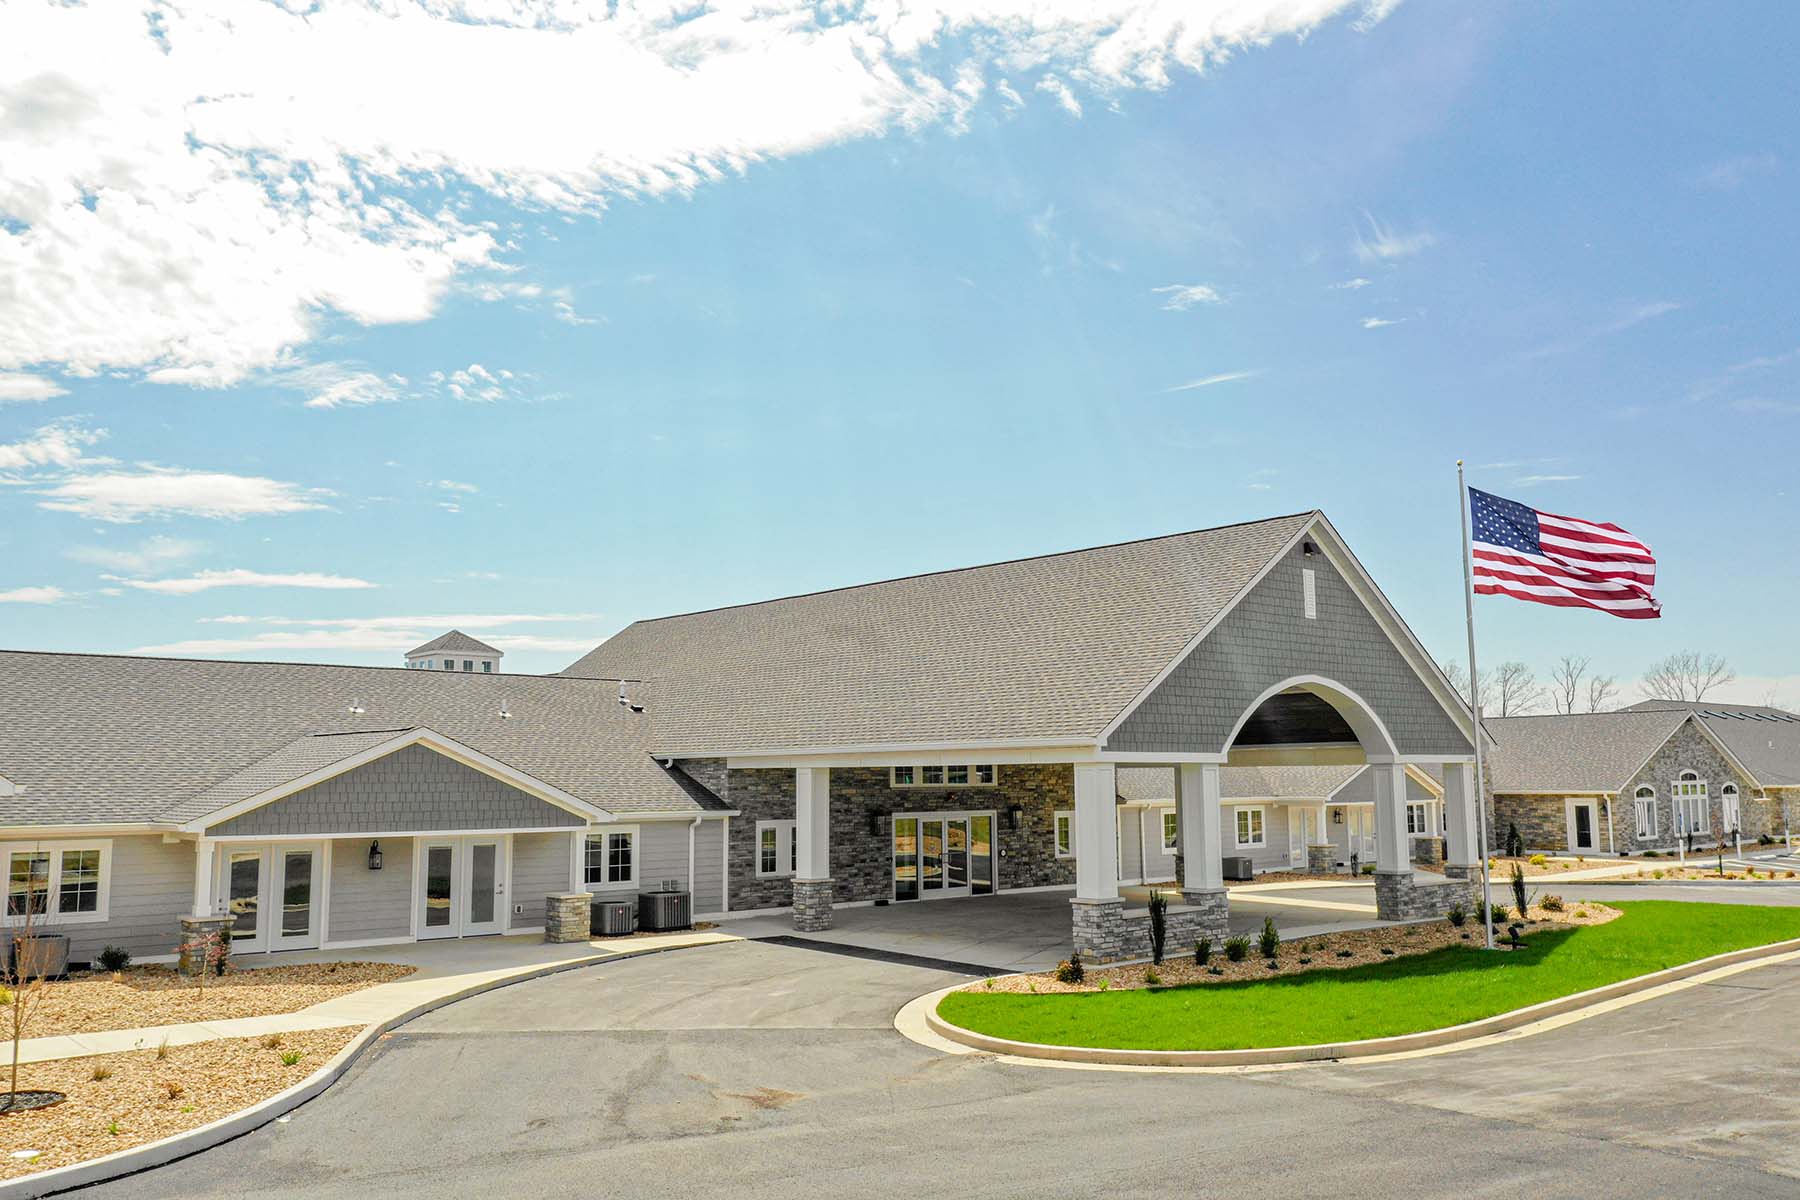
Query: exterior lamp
[[874, 822], [374, 856], [1015, 815]]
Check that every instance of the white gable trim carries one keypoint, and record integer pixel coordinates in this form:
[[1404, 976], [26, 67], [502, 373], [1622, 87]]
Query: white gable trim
[[450, 748]]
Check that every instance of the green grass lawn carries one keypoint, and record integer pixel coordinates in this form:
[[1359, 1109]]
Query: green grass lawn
[[1425, 991]]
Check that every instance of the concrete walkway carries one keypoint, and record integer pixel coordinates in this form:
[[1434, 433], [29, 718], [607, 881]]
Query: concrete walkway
[[445, 968]]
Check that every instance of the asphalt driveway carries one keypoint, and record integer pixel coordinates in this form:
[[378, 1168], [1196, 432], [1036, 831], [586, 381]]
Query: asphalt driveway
[[764, 1070]]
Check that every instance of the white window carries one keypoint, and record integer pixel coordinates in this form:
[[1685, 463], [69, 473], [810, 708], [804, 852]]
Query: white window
[[1170, 825], [1418, 819], [1643, 803], [1065, 833], [449, 664], [487, 667], [777, 853], [954, 775], [1728, 801], [611, 858], [1690, 805], [1249, 827], [61, 883]]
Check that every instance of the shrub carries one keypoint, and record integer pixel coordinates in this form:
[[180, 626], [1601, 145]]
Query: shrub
[[1457, 915], [290, 1057], [1272, 965], [113, 958], [1515, 845], [271, 1041], [172, 1090], [1269, 941], [1151, 978], [1652, 854], [1304, 960], [1368, 868], [1237, 949], [1538, 860], [1104, 984], [112, 1127], [1159, 930], [1656, 874], [1550, 903], [162, 1050], [1070, 970], [102, 1072], [1346, 954], [1388, 950], [1202, 951], [1215, 970], [1520, 900]]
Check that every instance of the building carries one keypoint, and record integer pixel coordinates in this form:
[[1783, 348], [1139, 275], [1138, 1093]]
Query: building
[[947, 735], [454, 651]]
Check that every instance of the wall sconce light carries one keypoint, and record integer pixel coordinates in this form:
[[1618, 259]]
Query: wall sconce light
[[1337, 816], [874, 823], [1015, 816], [1308, 549], [374, 856]]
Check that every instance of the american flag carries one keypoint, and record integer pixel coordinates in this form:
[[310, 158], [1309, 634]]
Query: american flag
[[1539, 556]]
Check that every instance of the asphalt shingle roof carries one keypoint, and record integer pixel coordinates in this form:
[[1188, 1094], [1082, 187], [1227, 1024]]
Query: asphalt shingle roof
[[113, 739], [1766, 740], [1039, 648], [456, 642], [1583, 752]]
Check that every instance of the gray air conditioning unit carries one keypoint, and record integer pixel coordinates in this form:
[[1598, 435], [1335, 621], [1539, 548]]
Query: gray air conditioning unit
[[611, 918], [1237, 867], [658, 911]]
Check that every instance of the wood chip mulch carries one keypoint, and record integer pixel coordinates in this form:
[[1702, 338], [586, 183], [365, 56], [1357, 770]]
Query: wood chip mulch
[[1708, 873], [1365, 946], [158, 995], [143, 1097]]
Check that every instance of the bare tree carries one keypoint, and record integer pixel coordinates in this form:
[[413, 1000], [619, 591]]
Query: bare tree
[[1602, 690], [1459, 679], [27, 968], [1686, 675], [1565, 682], [1516, 688]]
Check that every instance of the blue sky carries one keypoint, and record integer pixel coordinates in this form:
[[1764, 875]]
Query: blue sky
[[1086, 306]]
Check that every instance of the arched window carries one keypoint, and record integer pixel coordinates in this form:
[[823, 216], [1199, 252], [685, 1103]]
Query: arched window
[[1730, 813], [1643, 803], [1690, 804]]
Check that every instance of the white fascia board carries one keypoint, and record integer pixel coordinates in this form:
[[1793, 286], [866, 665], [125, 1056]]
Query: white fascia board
[[468, 756], [1146, 759], [14, 833], [925, 755], [709, 814], [376, 834]]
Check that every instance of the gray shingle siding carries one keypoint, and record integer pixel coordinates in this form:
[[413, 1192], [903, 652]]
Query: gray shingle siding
[[411, 789], [370, 905], [1267, 638], [540, 866]]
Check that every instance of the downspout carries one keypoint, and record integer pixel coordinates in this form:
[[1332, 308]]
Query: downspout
[[692, 826], [1610, 848]]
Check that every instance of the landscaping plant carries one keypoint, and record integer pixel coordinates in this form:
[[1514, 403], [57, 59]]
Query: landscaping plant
[[1520, 900], [1457, 915], [113, 958], [1202, 951], [25, 976], [1269, 941], [1237, 949], [1070, 970], [1159, 929], [1515, 845], [1550, 903]]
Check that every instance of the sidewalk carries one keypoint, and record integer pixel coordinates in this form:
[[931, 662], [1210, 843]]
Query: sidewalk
[[445, 968]]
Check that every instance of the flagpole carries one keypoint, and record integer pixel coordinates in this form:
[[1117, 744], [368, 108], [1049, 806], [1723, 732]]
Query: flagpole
[[1487, 896]]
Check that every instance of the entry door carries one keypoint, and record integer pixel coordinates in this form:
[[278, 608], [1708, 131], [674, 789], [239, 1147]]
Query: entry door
[[1361, 820], [1297, 822], [938, 856], [1581, 826], [273, 891], [462, 888]]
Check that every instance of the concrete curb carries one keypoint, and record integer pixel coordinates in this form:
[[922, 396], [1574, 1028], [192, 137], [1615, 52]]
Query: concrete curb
[[180, 1145], [1333, 1051]]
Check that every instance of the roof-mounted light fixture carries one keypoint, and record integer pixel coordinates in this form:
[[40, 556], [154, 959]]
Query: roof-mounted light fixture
[[357, 707]]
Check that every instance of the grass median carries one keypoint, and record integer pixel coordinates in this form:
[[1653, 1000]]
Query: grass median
[[1428, 991]]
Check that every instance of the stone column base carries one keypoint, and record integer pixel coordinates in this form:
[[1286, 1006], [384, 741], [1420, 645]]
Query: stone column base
[[1402, 896], [1428, 852], [1097, 929], [812, 905], [1467, 872], [567, 916], [1320, 860], [1103, 931], [195, 933]]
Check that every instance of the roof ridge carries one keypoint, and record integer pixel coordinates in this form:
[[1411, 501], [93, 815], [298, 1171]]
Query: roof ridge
[[1611, 712], [1004, 562], [275, 662]]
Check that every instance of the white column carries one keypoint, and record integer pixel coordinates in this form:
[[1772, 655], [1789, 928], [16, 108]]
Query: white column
[[1096, 832], [1459, 815], [1197, 815], [1322, 827], [1391, 843], [203, 877], [812, 823]]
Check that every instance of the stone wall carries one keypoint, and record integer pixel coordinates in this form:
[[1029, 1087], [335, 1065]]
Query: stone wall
[[1414, 898], [1542, 823], [1687, 750], [862, 806], [1105, 931]]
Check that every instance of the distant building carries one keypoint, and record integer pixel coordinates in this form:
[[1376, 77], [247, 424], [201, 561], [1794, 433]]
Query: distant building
[[454, 651]]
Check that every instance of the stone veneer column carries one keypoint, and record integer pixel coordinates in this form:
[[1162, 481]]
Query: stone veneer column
[[812, 849], [194, 931], [812, 905], [567, 916], [1097, 928], [1320, 859]]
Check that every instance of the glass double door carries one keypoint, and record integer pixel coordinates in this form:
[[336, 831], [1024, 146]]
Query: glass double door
[[273, 892], [462, 886], [938, 856]]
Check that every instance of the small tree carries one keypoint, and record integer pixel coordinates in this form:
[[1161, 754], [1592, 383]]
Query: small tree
[[1159, 931], [27, 972], [1520, 900], [205, 951]]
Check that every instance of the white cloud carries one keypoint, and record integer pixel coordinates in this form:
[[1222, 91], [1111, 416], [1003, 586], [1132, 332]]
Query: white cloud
[[1351, 285], [1728, 175], [393, 634], [17, 387], [1212, 380], [452, 485], [57, 445], [34, 595], [1381, 243], [478, 385], [191, 191], [336, 385], [1628, 319], [441, 621], [1535, 480], [206, 581], [1009, 94], [152, 554], [1381, 322], [123, 497], [1179, 297]]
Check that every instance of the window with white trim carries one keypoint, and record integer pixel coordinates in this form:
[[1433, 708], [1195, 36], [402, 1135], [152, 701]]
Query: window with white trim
[[949, 775], [1171, 827], [60, 883], [1249, 822], [1691, 816], [1065, 833], [1732, 814], [1643, 804], [1418, 819], [611, 858], [777, 850]]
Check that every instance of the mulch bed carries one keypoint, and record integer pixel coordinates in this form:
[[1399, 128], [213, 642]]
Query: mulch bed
[[158, 995], [143, 1095], [1677, 871], [1328, 952]]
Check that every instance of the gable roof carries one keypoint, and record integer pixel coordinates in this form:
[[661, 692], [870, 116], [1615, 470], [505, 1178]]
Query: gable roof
[[456, 642], [1765, 740], [1046, 650], [1580, 752], [110, 739]]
